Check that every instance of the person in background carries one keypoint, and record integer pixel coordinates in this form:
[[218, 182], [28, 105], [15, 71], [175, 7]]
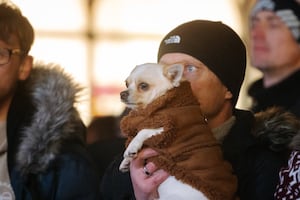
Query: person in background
[[43, 152], [275, 51], [103, 128], [104, 141], [214, 57]]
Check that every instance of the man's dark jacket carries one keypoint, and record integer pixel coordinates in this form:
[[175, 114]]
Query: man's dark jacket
[[255, 165], [284, 94]]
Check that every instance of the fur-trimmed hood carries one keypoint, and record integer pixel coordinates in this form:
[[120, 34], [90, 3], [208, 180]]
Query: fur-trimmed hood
[[278, 129], [55, 119]]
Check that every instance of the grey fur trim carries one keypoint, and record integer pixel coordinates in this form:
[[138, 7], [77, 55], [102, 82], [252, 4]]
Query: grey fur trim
[[276, 127], [54, 93]]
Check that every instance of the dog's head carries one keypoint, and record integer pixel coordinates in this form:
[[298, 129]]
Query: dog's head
[[148, 81]]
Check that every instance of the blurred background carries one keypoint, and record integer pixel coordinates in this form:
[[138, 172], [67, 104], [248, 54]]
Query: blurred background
[[100, 41]]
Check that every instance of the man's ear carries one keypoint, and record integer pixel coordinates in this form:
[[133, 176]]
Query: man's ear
[[228, 95], [25, 68]]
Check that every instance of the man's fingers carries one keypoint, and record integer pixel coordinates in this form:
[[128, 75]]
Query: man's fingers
[[147, 153], [159, 176]]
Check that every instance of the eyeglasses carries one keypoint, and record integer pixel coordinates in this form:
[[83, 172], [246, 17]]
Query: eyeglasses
[[5, 54]]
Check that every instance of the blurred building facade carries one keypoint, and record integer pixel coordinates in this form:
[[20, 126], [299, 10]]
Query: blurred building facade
[[100, 41]]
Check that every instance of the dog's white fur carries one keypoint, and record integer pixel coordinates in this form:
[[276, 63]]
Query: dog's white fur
[[146, 83]]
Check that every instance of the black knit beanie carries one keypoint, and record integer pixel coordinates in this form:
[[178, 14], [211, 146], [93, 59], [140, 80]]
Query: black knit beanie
[[287, 10], [214, 44]]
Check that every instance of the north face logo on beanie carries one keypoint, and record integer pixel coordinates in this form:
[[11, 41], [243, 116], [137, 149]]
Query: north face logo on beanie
[[174, 39]]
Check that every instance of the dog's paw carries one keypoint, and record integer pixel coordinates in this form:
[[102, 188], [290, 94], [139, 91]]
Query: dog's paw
[[130, 154], [124, 166], [132, 149], [136, 144]]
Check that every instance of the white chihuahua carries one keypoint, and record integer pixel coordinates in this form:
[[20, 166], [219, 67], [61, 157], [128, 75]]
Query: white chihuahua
[[147, 83]]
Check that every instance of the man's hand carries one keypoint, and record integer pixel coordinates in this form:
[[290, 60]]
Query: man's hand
[[145, 176]]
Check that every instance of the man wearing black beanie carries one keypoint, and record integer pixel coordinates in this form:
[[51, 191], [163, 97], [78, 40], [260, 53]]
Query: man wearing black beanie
[[218, 47], [214, 57]]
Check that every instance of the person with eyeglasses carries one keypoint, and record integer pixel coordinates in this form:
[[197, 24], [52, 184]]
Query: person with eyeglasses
[[42, 137], [5, 54]]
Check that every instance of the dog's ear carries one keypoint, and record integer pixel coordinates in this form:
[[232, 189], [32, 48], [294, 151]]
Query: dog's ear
[[174, 73]]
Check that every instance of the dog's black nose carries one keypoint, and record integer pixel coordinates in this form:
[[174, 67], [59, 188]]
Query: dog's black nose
[[124, 95]]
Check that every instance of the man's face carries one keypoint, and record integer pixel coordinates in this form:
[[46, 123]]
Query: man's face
[[16, 69], [272, 44], [207, 88]]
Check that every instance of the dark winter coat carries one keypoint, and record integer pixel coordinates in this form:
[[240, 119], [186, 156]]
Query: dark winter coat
[[47, 159], [284, 94], [253, 160]]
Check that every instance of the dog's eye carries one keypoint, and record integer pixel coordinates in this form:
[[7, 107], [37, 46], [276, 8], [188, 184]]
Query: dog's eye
[[143, 86]]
